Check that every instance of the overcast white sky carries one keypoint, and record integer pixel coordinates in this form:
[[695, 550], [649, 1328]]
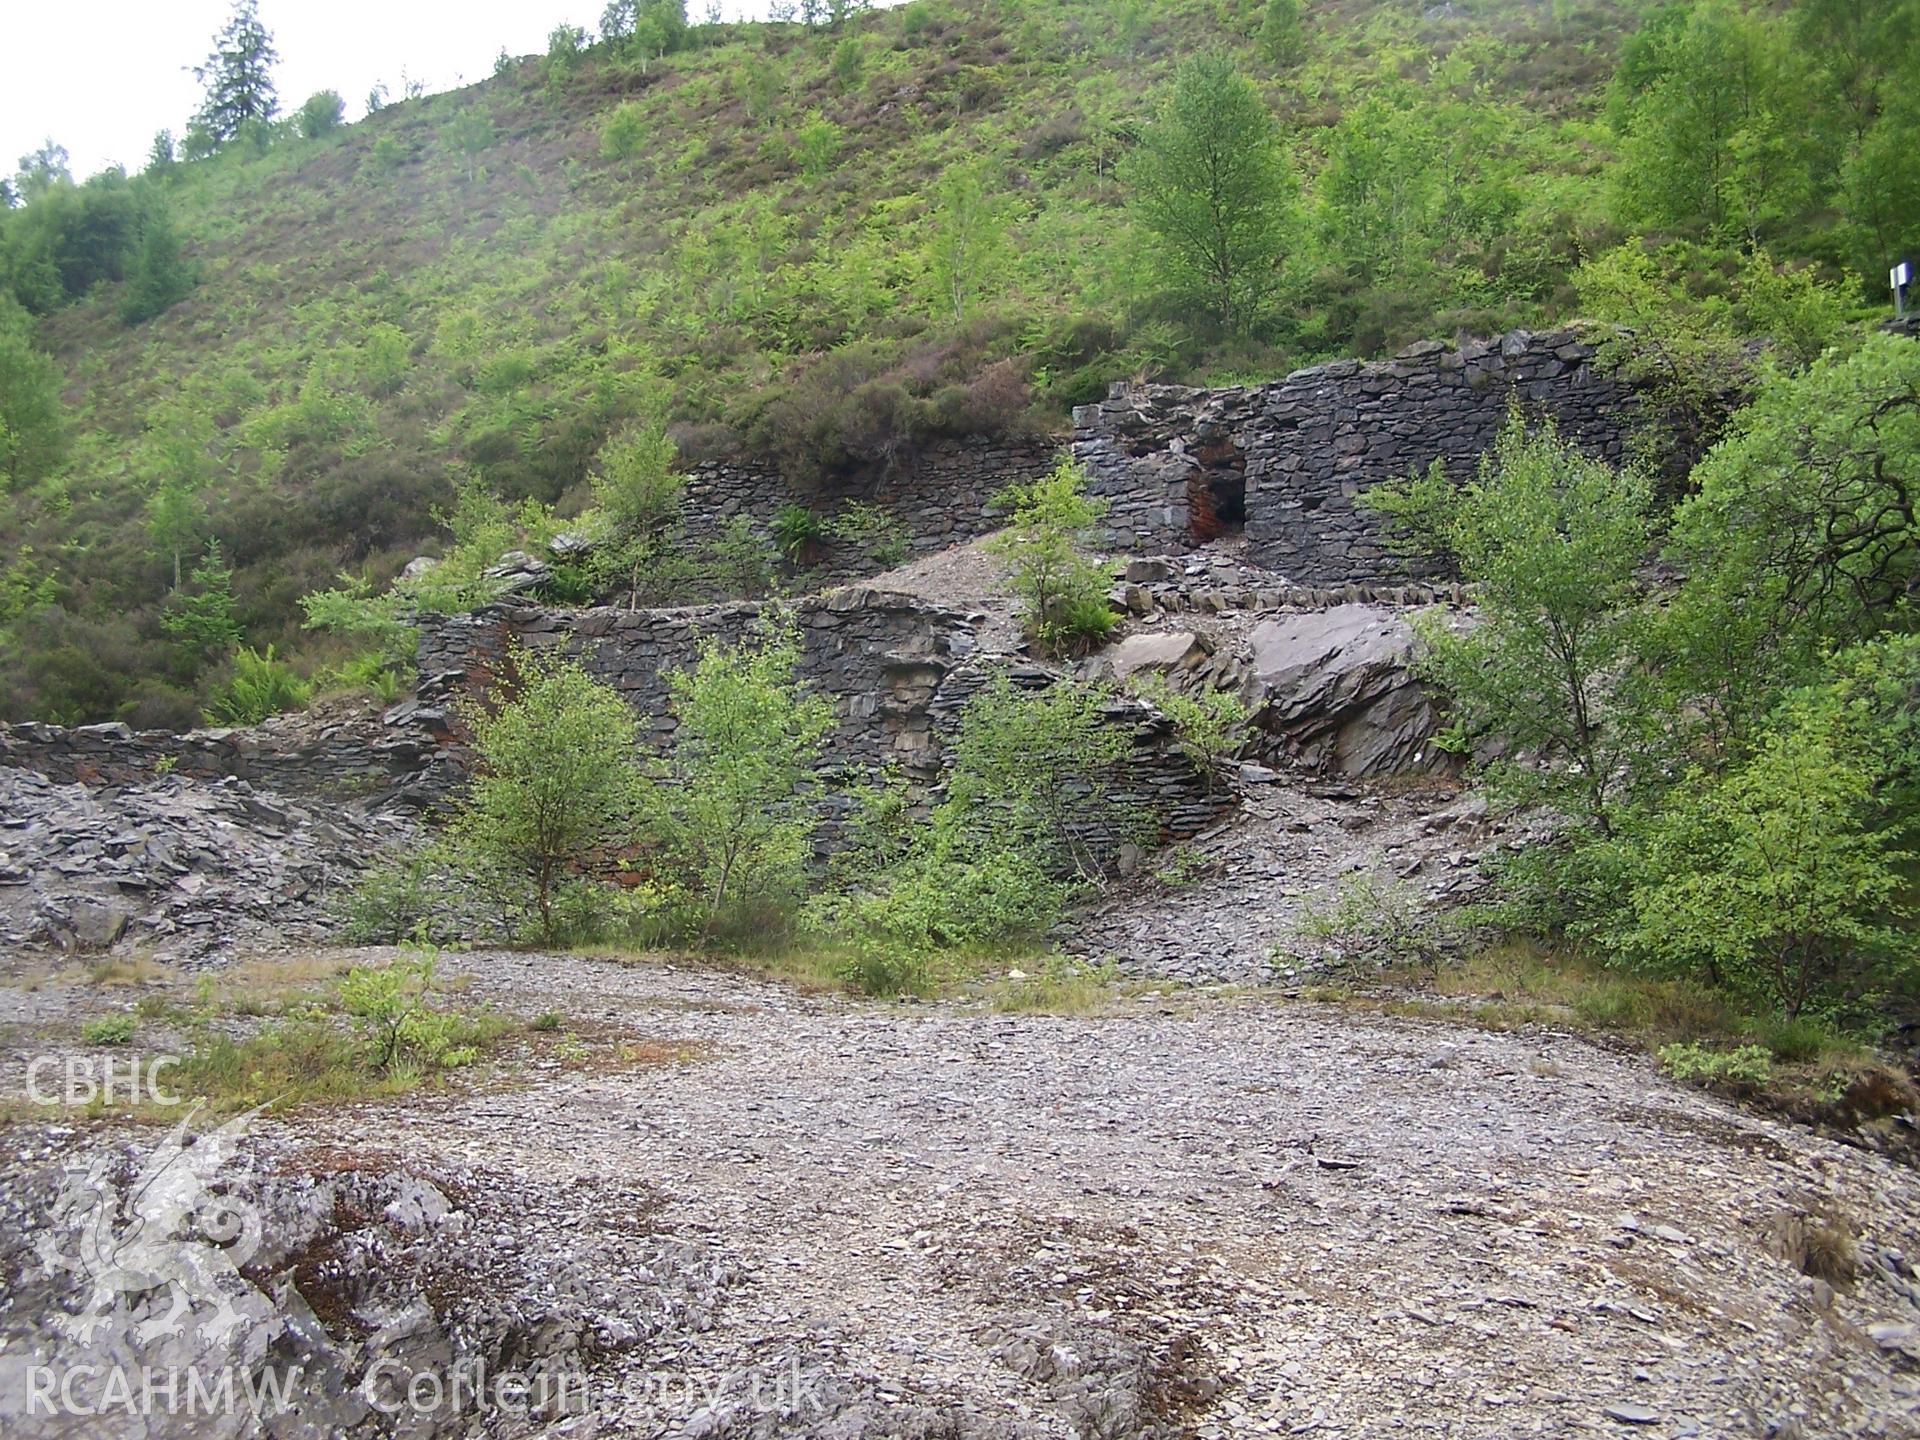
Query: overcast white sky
[[101, 78]]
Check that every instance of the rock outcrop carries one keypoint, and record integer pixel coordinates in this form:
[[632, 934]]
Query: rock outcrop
[[898, 670], [1337, 691]]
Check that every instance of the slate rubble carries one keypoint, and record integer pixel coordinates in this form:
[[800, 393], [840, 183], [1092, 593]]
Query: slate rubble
[[1239, 894], [195, 869]]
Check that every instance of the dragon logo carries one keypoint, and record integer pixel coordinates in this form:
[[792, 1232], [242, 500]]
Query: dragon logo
[[168, 1232]]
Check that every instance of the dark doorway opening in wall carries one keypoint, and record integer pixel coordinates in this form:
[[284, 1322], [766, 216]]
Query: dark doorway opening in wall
[[1217, 492]]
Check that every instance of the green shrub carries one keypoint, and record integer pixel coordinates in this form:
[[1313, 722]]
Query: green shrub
[[816, 145], [1182, 866], [355, 612], [636, 485], [638, 490], [381, 361], [1209, 726], [33, 425], [1043, 772], [385, 156], [555, 781], [1794, 1038], [1063, 591], [849, 61], [1381, 925], [566, 48], [886, 969], [587, 912], [370, 674], [950, 891], [1418, 514], [732, 815], [158, 275], [483, 528], [200, 615], [1280, 35], [1775, 880], [401, 1023], [108, 1030], [322, 113], [1746, 1065], [394, 899], [1078, 624], [1552, 540], [1035, 791], [623, 134]]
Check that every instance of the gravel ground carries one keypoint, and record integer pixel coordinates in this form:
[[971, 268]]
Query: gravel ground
[[1239, 1217]]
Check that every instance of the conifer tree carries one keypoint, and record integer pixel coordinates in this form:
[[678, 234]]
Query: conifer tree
[[238, 75], [201, 618]]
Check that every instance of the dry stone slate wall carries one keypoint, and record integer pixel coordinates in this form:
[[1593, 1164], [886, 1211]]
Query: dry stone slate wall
[[880, 657], [942, 497], [898, 670], [352, 758], [1286, 461]]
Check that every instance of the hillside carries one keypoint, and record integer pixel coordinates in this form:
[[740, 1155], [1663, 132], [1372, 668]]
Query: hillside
[[815, 247]]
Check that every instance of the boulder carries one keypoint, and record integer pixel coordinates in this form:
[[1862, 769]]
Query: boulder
[[1166, 650], [1338, 693], [1149, 571], [518, 573], [97, 924]]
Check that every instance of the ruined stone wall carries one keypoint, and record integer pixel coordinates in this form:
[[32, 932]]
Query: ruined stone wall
[[1286, 460], [353, 759], [1297, 452], [942, 497], [898, 671], [880, 657]]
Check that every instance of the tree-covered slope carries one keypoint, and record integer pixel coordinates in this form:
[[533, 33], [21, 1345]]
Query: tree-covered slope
[[823, 245]]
